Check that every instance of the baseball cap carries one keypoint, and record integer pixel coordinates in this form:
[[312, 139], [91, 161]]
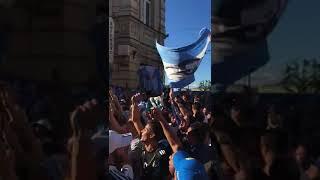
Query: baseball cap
[[188, 168], [117, 140]]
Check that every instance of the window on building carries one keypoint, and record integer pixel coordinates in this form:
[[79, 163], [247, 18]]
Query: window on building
[[146, 12]]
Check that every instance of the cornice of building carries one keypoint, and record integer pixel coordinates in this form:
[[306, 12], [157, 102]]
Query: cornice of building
[[140, 22]]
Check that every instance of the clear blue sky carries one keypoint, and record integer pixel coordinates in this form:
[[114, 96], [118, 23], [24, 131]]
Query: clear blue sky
[[184, 20]]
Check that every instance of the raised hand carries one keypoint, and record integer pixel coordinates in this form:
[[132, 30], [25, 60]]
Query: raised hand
[[15, 115], [113, 96], [84, 119], [86, 116], [157, 114], [171, 93], [7, 162], [135, 112], [135, 99]]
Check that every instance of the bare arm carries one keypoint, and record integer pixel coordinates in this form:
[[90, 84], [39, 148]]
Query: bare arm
[[168, 132], [116, 102], [83, 162], [20, 135], [228, 151], [136, 118], [114, 124], [183, 110], [180, 106]]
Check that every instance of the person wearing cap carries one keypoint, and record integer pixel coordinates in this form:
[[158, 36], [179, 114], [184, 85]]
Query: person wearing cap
[[182, 166], [118, 155]]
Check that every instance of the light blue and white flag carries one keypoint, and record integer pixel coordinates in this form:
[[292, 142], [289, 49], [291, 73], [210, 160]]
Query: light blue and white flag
[[180, 64]]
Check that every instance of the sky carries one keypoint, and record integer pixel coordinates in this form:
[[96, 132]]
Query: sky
[[296, 36], [184, 20]]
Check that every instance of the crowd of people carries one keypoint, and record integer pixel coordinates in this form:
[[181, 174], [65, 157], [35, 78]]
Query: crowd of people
[[54, 143], [177, 136]]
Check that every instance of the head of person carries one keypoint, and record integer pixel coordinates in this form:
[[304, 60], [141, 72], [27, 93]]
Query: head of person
[[300, 153], [196, 107], [119, 156], [178, 99], [274, 118], [239, 112], [181, 166], [185, 123], [42, 129], [205, 111], [198, 133], [118, 146], [185, 97], [196, 98], [172, 118], [152, 132]]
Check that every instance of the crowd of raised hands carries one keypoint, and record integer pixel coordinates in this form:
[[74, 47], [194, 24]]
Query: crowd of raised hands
[[20, 149], [175, 137], [22, 153], [150, 147]]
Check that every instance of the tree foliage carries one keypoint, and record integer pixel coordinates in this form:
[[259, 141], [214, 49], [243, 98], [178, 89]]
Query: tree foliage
[[302, 76], [205, 85]]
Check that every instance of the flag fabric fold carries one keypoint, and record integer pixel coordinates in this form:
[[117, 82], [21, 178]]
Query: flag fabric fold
[[180, 64]]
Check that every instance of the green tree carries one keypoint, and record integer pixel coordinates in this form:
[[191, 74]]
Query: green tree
[[205, 85], [302, 76]]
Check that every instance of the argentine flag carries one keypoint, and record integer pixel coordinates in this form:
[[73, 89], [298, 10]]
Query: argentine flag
[[180, 64]]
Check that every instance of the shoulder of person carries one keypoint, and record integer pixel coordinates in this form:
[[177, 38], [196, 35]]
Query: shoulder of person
[[223, 137], [164, 148]]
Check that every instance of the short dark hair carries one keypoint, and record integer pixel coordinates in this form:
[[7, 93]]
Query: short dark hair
[[197, 106], [199, 131], [156, 128]]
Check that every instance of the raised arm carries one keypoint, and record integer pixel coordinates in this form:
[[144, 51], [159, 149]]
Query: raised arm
[[178, 105], [136, 114], [228, 151], [183, 110], [7, 155], [114, 124], [83, 162], [116, 102], [168, 132]]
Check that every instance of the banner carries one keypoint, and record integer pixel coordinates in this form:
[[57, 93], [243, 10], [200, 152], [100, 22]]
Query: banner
[[180, 64]]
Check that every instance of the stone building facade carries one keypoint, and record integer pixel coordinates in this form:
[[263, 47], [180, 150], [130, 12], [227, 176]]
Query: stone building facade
[[137, 26]]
